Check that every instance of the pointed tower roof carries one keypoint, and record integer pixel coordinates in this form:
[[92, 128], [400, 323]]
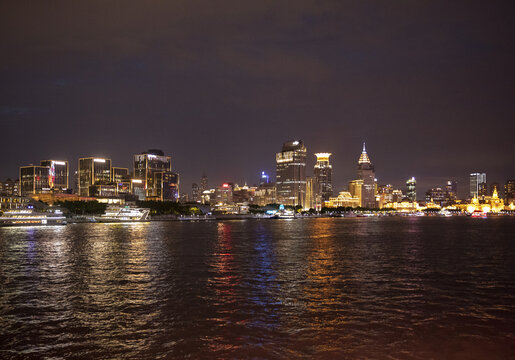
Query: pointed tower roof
[[364, 159]]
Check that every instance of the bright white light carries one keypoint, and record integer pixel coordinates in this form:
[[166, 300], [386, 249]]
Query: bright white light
[[137, 181], [295, 143], [99, 160], [59, 163]]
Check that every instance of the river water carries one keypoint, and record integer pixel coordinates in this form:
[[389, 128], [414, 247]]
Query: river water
[[380, 288]]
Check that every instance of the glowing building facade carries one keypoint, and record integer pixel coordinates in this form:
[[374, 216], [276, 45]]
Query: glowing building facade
[[154, 169], [344, 199], [93, 172], [34, 180], [411, 189], [291, 174], [477, 185], [323, 173], [366, 173], [58, 174], [451, 191]]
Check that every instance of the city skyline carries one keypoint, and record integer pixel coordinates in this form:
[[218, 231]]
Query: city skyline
[[463, 192]]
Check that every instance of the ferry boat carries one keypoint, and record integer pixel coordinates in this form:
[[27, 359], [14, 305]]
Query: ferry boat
[[30, 217], [283, 213], [124, 214]]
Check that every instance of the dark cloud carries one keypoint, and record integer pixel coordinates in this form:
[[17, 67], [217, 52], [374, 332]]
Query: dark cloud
[[221, 84]]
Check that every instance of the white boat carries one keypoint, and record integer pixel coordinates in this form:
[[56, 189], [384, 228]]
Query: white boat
[[30, 217], [124, 214]]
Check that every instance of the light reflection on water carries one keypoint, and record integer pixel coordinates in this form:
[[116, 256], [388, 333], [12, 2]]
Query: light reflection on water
[[409, 288]]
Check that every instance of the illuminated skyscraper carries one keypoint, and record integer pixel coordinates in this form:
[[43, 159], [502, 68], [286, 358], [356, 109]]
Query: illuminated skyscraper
[[477, 185], [367, 174], [356, 190], [58, 174], [411, 189], [291, 174], [451, 191], [195, 194], [323, 172], [93, 171], [155, 170], [34, 180], [204, 184], [313, 197]]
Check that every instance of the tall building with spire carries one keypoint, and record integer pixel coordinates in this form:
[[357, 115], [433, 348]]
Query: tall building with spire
[[291, 174], [323, 172], [366, 173]]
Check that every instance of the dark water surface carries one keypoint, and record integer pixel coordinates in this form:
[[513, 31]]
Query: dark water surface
[[383, 288]]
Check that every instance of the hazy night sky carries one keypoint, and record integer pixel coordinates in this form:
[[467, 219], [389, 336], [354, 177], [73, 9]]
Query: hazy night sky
[[220, 85]]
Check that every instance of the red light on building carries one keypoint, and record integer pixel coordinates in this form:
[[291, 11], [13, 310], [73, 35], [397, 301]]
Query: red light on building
[[225, 185]]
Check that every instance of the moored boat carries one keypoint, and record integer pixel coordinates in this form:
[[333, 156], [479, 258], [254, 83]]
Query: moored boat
[[31, 217], [124, 214]]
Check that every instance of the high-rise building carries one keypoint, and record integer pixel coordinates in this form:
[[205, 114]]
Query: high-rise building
[[291, 174], [451, 191], [356, 190], [477, 185], [34, 180], [195, 193], [204, 184], [366, 172], [509, 192], [119, 174], [93, 172], [264, 179], [224, 193], [166, 184], [411, 189], [435, 195], [323, 172], [155, 170], [313, 196], [58, 174]]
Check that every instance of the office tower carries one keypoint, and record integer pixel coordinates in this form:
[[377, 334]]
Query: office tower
[[58, 174], [224, 194], [435, 195], [509, 192], [291, 174], [119, 174], [121, 181], [367, 174], [34, 180], [411, 189], [356, 190], [451, 191], [477, 185], [204, 184], [323, 172], [155, 170], [264, 179], [166, 184], [195, 192], [93, 172], [313, 194]]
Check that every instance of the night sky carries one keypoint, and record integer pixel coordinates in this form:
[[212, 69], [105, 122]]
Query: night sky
[[220, 85]]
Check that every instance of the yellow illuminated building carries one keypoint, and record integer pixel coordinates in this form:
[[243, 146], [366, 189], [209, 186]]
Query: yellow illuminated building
[[491, 204], [344, 199], [355, 189]]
